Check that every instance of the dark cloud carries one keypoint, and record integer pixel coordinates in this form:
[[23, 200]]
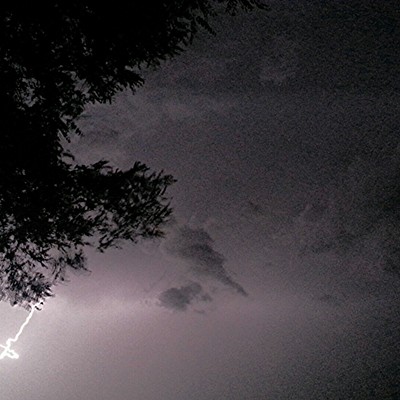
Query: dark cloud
[[180, 298], [195, 246], [359, 216], [351, 48]]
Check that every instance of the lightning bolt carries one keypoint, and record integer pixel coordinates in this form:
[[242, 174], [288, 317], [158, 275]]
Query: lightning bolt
[[7, 350]]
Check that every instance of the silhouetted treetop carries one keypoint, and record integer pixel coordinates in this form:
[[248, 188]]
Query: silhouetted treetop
[[71, 53], [55, 58]]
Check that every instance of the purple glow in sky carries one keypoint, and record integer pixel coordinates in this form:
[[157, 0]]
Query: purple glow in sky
[[278, 277]]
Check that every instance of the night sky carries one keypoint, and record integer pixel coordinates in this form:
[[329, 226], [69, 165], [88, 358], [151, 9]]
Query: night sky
[[279, 274]]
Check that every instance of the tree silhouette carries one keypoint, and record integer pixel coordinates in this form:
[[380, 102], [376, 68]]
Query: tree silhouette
[[57, 57]]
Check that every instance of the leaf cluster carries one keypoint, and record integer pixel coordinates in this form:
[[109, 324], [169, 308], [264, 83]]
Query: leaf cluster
[[45, 224]]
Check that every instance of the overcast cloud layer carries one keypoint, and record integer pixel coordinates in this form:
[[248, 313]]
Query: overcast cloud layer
[[283, 134]]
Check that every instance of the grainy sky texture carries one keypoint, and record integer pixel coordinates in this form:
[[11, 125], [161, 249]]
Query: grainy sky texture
[[279, 275]]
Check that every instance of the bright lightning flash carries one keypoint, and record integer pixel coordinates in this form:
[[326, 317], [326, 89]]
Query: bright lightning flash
[[7, 351]]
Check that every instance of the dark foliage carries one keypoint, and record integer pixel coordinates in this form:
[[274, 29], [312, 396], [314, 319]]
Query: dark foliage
[[55, 58], [45, 224]]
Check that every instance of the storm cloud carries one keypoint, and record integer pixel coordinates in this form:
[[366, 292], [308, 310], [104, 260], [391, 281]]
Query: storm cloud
[[283, 135], [359, 216], [179, 298], [195, 246]]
